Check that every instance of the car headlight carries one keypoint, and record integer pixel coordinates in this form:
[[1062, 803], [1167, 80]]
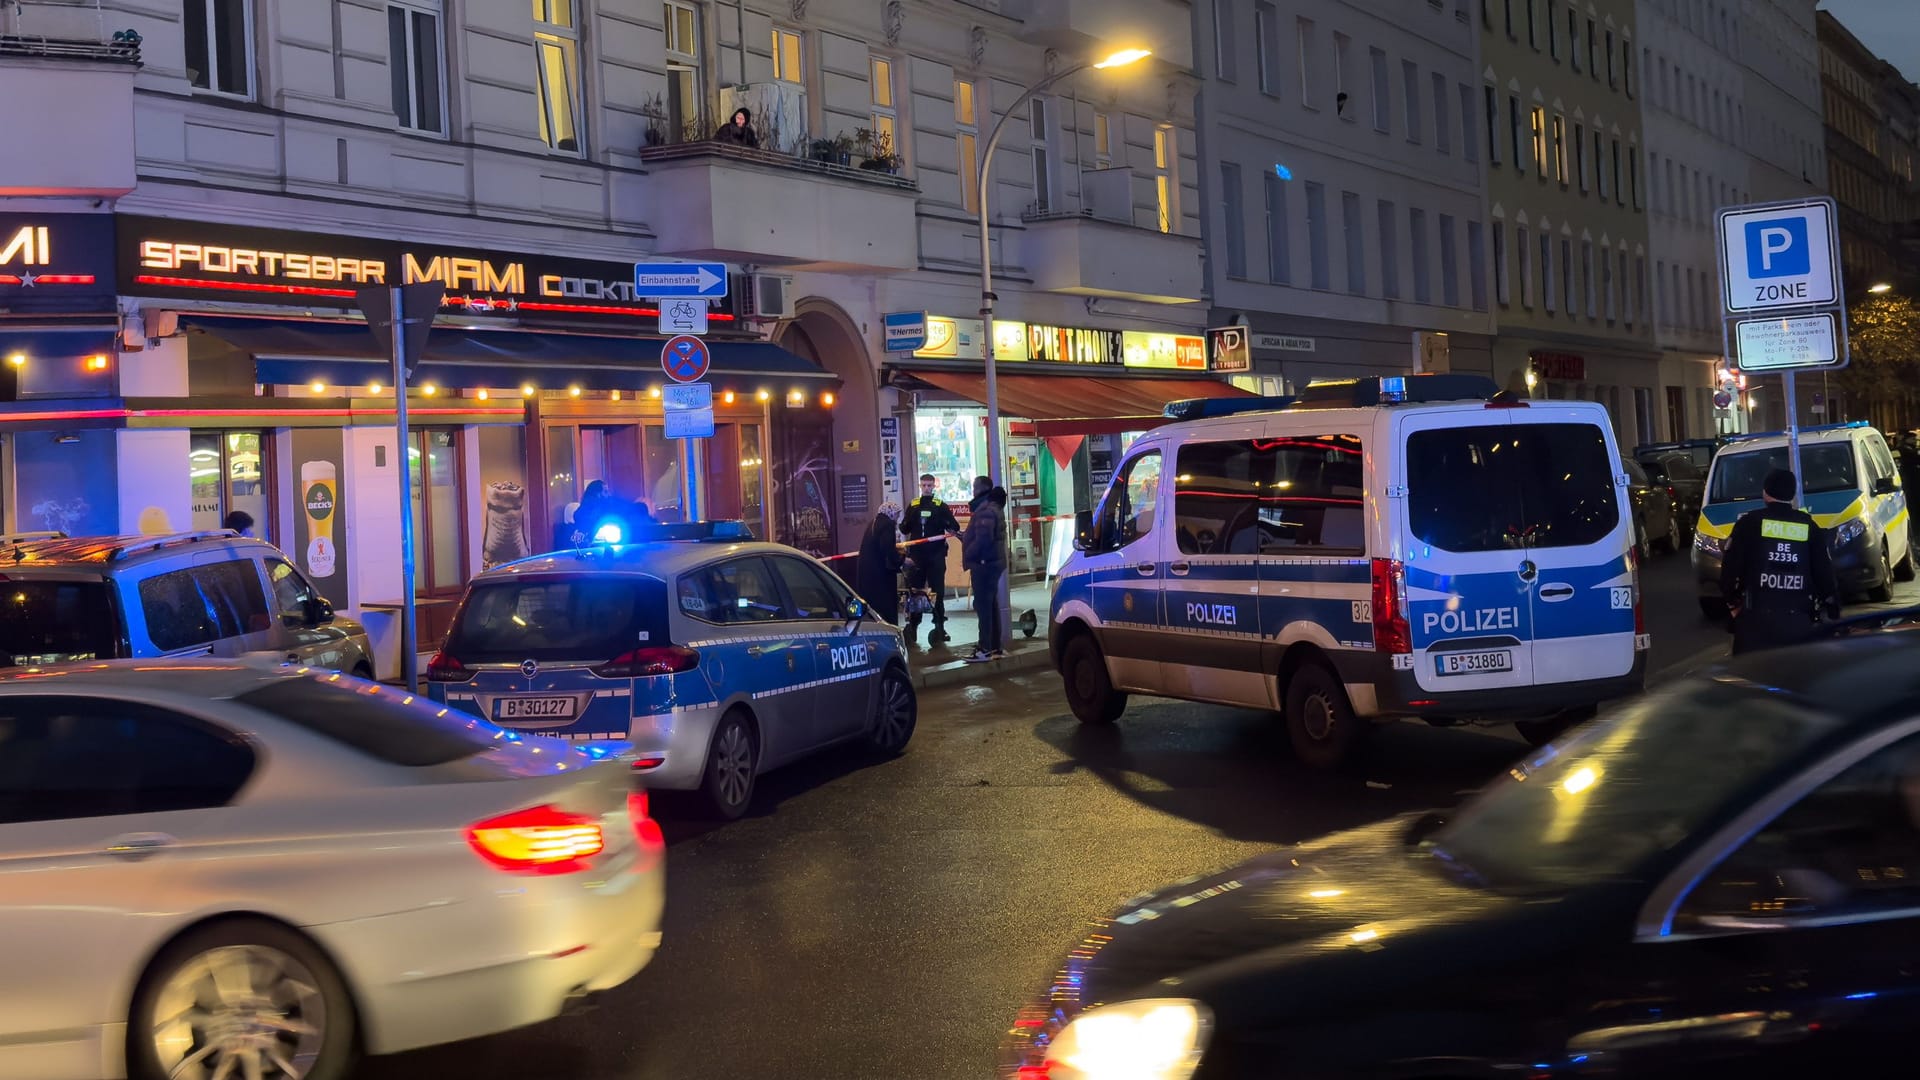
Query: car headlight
[[1707, 544], [1149, 1039], [1849, 531]]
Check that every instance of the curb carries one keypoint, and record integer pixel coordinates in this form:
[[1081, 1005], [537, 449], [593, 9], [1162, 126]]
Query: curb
[[1028, 656]]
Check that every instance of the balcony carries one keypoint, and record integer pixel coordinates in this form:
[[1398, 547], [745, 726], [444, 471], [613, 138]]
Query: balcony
[[1094, 28], [83, 88], [1098, 250]]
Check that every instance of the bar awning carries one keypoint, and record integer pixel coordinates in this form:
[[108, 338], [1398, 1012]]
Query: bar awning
[[1080, 404], [344, 353]]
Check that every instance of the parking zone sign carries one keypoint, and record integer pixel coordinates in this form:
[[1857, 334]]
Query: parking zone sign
[[1779, 256]]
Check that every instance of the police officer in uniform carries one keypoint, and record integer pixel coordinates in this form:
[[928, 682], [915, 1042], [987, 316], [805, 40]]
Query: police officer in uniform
[[928, 517], [1777, 575]]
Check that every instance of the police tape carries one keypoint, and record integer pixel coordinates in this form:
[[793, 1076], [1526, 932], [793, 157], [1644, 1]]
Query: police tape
[[932, 539]]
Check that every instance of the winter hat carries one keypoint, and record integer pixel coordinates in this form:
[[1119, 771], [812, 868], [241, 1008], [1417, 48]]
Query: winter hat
[[1779, 485], [891, 509]]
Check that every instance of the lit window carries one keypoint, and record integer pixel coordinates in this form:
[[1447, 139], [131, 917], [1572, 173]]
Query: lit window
[[968, 138], [885, 116], [685, 99], [1165, 177], [556, 42], [1102, 140], [219, 37], [786, 57]]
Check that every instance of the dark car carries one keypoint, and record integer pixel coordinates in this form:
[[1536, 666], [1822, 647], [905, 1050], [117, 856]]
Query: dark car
[[1686, 485], [1698, 451], [1656, 521], [1719, 879]]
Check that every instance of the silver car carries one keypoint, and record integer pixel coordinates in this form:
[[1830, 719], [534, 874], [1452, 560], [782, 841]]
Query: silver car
[[719, 659], [211, 870]]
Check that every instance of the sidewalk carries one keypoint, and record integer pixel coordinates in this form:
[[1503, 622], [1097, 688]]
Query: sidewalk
[[939, 667]]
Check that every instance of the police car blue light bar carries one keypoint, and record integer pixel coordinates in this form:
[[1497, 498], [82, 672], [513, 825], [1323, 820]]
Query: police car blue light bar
[[1395, 390], [1202, 408], [1804, 431]]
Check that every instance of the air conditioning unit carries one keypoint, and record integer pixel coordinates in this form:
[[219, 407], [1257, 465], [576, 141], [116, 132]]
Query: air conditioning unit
[[769, 296]]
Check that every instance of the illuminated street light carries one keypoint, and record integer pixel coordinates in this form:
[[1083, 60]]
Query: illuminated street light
[[1879, 287]]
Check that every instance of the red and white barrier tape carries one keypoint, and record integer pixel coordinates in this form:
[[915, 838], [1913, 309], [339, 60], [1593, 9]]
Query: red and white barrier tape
[[931, 539]]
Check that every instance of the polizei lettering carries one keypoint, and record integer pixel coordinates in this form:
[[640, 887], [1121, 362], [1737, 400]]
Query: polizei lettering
[[1471, 620], [1213, 614], [851, 657]]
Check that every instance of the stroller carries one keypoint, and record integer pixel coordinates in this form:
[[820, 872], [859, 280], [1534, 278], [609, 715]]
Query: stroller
[[916, 601]]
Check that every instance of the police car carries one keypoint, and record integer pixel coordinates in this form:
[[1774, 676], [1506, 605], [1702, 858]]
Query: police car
[[1848, 482], [1415, 546], [717, 657]]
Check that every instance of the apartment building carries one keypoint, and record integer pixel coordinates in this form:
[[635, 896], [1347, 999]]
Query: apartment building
[[1573, 292], [1858, 144], [1342, 164]]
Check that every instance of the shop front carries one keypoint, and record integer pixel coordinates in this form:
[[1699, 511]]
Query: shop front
[[1622, 379]]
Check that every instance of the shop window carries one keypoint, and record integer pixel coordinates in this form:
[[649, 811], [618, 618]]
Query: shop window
[[439, 528], [219, 38], [684, 100], [753, 466], [556, 42], [562, 485], [664, 497], [952, 446], [66, 481], [414, 64], [228, 471]]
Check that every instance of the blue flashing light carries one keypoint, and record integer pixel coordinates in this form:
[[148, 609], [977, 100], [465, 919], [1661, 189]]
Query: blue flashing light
[[1863, 995], [610, 533], [1282, 171], [1393, 388]]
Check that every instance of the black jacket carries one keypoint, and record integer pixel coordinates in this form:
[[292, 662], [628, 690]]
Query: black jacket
[[878, 575], [1778, 575], [927, 517]]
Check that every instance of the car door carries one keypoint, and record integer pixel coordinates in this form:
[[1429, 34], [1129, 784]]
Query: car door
[[101, 803], [1796, 952], [836, 704], [297, 626], [201, 609], [769, 651], [1126, 568], [1886, 498], [1210, 595]]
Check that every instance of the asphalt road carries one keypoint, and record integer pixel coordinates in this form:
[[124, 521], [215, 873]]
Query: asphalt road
[[886, 920]]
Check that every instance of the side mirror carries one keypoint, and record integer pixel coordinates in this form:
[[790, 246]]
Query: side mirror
[[1884, 486], [857, 613], [1083, 531], [320, 611]]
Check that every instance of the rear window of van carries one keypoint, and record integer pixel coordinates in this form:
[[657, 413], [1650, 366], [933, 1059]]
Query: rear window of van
[[1511, 486]]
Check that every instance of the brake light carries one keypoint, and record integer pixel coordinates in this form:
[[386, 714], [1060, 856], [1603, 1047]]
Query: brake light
[[444, 667], [650, 661], [1672, 494], [538, 840], [645, 829], [1391, 633]]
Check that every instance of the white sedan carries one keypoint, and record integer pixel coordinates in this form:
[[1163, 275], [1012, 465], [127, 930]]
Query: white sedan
[[214, 870]]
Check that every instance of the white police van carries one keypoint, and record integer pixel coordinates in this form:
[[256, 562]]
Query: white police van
[[1415, 546]]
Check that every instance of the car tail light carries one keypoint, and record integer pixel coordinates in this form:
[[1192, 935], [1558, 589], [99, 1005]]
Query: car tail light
[[645, 829], [1672, 494], [538, 840], [1391, 634], [444, 667], [653, 660]]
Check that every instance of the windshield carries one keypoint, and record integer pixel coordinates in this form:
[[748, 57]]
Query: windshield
[[47, 622], [1595, 806], [1825, 467], [390, 725], [1510, 486], [573, 617]]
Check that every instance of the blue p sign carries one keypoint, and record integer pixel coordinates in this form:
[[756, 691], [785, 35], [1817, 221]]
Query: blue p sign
[[1777, 247]]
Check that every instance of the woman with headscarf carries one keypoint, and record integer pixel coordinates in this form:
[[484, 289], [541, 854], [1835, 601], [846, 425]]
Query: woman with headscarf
[[878, 576], [738, 130]]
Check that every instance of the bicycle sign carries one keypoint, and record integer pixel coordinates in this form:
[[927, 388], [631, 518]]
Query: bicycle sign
[[685, 358]]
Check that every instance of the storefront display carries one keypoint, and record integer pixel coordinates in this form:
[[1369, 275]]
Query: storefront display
[[228, 474], [952, 445], [66, 482]]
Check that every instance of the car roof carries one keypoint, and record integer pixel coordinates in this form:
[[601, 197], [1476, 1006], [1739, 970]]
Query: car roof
[[56, 551], [656, 558], [1359, 414], [197, 676], [1774, 442], [1865, 680]]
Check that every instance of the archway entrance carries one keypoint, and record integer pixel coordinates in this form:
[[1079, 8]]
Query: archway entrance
[[847, 459]]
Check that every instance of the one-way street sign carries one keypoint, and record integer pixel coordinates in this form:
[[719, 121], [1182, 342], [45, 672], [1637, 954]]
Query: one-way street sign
[[671, 280]]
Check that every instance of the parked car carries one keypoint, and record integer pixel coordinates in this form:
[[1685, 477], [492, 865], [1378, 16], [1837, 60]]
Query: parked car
[[212, 593], [1656, 523], [1719, 879], [1686, 485], [1698, 451], [223, 869]]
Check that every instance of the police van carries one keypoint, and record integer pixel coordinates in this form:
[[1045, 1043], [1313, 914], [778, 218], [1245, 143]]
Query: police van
[[1415, 546]]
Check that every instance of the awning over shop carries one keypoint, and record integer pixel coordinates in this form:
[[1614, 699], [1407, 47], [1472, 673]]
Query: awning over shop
[[1081, 404], [342, 353]]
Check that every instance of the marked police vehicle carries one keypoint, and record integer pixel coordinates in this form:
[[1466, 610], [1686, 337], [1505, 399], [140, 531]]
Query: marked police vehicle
[[716, 656], [1848, 482], [1418, 546]]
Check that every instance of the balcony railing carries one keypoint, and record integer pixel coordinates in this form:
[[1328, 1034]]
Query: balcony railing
[[123, 49], [687, 151]]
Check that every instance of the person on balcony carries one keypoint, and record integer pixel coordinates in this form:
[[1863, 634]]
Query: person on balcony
[[739, 130]]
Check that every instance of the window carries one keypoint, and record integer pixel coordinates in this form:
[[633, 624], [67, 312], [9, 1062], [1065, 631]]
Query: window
[[1613, 81], [1511, 36], [384, 723], [1492, 109], [1449, 268], [1279, 251], [1653, 182], [1223, 40], [1560, 149], [1317, 235], [1633, 175], [886, 115], [1537, 128], [1469, 140], [1165, 188], [787, 63], [1477, 268], [66, 758], [1216, 500], [1580, 155], [439, 527], [1502, 290], [219, 37], [967, 142], [1515, 140], [1417, 246], [1546, 272], [1382, 120], [1523, 244], [1593, 44], [1573, 38], [1586, 275], [293, 598], [1552, 488], [1553, 33], [1533, 26], [1600, 165], [1244, 498], [1442, 128], [1127, 512], [1566, 277], [204, 604], [1342, 48], [1410, 79], [1619, 192], [729, 593], [1610, 286], [556, 44], [813, 595], [413, 64], [1042, 134], [1389, 249], [685, 94], [1266, 36], [1660, 293], [1230, 200], [227, 472], [1626, 70], [1351, 230], [1637, 302]]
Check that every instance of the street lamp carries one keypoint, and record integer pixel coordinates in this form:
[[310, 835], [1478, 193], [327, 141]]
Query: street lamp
[[1880, 287], [981, 174]]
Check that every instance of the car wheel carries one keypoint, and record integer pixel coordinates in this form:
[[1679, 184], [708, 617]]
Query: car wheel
[[1090, 693], [241, 998], [1904, 569], [894, 714], [1714, 608], [1883, 592], [727, 782], [1320, 721]]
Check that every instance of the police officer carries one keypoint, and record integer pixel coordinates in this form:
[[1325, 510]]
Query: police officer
[[926, 518], [1777, 575]]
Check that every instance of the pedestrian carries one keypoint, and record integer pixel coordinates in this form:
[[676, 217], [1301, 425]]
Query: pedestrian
[[930, 521], [878, 575], [738, 130], [981, 485], [239, 521], [1777, 575], [983, 550], [598, 506]]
